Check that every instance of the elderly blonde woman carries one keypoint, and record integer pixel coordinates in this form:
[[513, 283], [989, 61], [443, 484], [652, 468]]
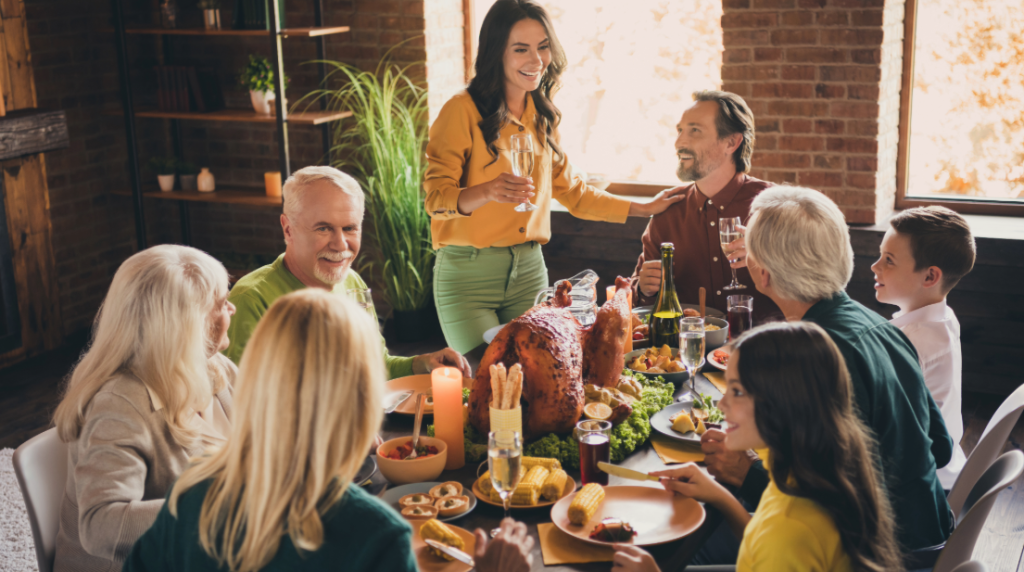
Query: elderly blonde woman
[[280, 495], [152, 391], [799, 254]]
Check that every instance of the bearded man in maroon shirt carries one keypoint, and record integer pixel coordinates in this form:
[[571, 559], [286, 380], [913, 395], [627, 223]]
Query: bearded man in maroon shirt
[[715, 142]]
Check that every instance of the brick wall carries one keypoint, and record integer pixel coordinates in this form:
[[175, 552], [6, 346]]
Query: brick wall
[[446, 72], [822, 78]]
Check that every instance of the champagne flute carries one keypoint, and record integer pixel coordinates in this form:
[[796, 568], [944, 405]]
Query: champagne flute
[[691, 351], [504, 460], [728, 231], [363, 298], [522, 163]]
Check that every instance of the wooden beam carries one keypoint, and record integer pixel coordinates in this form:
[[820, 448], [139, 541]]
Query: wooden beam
[[27, 131]]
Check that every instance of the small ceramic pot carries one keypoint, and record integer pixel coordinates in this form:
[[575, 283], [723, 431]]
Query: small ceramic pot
[[263, 102], [205, 181], [166, 182], [211, 19], [188, 182]]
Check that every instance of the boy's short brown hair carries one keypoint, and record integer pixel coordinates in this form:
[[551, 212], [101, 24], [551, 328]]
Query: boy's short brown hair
[[938, 237]]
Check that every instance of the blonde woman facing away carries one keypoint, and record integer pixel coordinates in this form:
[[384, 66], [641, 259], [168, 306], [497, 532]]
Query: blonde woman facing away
[[280, 496], [151, 391], [789, 396]]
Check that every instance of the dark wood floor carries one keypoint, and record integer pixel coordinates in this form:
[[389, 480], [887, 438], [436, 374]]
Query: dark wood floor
[[30, 391]]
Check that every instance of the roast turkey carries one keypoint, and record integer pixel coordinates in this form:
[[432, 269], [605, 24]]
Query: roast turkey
[[558, 356]]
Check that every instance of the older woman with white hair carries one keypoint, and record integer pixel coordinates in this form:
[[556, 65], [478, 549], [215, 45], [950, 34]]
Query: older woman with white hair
[[152, 391], [799, 254]]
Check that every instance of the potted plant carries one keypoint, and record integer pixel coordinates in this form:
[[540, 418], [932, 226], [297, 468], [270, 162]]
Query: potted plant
[[383, 147], [258, 77], [187, 175], [165, 168], [211, 14]]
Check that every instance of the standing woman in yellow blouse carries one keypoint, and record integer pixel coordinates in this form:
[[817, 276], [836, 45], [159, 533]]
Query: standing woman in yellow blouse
[[788, 395], [489, 265]]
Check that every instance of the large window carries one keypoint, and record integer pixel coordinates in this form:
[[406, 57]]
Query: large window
[[633, 66], [962, 124]]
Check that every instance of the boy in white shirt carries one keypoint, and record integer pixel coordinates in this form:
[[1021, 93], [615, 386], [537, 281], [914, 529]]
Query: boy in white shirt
[[923, 256]]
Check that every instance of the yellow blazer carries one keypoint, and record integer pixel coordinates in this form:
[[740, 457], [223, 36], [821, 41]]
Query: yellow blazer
[[458, 158]]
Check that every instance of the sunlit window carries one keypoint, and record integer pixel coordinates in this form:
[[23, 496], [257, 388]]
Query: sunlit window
[[967, 106], [633, 66]]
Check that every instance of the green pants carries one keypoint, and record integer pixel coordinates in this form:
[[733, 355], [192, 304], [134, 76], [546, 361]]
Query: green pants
[[476, 289]]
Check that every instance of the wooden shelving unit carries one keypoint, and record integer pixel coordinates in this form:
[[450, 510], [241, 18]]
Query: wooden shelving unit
[[313, 32], [282, 118], [252, 196]]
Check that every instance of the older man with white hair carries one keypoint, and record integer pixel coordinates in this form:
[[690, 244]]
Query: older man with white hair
[[323, 228], [799, 255]]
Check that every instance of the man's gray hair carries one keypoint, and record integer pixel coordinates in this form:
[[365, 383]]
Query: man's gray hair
[[800, 236], [301, 179]]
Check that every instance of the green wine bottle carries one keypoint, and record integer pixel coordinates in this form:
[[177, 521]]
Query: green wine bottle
[[668, 310]]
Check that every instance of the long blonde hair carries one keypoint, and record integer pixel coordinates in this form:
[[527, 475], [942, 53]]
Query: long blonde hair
[[307, 407], [154, 324]]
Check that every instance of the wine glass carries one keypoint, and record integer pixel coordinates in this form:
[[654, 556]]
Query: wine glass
[[504, 460], [522, 163], [728, 231], [691, 351], [363, 298]]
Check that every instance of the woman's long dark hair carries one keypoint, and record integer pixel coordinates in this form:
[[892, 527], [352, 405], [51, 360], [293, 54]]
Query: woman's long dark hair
[[820, 449], [488, 86]]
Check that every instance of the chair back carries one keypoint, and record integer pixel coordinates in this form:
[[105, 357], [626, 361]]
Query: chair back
[[960, 546], [41, 465], [989, 447]]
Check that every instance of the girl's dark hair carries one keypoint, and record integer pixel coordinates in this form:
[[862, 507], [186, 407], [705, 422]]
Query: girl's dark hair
[[819, 448], [488, 86]]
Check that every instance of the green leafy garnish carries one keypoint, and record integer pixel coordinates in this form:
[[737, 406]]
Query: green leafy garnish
[[706, 403]]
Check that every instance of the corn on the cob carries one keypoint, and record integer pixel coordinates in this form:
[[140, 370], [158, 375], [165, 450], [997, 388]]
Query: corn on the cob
[[553, 485], [549, 464], [528, 491], [585, 504], [485, 484], [434, 529]]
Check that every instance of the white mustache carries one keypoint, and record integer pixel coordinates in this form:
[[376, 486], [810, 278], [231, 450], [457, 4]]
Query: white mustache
[[336, 256]]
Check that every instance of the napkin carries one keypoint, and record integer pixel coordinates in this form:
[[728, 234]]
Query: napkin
[[671, 452], [558, 547], [717, 379]]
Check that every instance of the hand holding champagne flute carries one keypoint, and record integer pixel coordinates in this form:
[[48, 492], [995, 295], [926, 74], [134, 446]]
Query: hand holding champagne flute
[[522, 163], [504, 461], [728, 231]]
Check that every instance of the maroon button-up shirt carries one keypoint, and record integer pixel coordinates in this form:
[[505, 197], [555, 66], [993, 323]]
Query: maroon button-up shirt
[[692, 226]]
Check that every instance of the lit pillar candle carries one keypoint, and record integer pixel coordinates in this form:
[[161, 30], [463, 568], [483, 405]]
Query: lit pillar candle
[[610, 292], [629, 323], [447, 386]]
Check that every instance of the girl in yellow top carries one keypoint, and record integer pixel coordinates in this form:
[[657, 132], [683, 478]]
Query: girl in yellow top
[[489, 266], [789, 395]]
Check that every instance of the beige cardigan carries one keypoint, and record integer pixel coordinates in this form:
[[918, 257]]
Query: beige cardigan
[[119, 471]]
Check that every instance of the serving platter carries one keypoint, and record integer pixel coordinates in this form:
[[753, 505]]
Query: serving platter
[[662, 422], [570, 487], [430, 562], [366, 471], [714, 362], [490, 334], [658, 516], [674, 377], [393, 495], [419, 384]]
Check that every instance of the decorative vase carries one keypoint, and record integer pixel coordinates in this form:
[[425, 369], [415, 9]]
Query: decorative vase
[[205, 181], [417, 325], [211, 19], [168, 14], [166, 182], [188, 182], [263, 101]]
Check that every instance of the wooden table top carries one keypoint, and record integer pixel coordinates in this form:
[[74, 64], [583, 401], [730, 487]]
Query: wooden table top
[[671, 556]]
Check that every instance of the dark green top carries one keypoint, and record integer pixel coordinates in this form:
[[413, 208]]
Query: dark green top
[[361, 533], [893, 401]]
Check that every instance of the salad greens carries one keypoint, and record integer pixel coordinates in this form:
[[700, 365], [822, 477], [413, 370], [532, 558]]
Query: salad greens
[[706, 403]]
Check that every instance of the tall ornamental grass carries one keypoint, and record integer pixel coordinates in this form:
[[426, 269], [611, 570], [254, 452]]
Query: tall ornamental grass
[[383, 146]]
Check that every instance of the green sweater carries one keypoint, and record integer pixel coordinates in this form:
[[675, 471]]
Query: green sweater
[[361, 533], [893, 401], [256, 291]]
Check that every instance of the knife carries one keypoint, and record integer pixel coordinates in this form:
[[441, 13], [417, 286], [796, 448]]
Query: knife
[[400, 399], [625, 473], [450, 551]]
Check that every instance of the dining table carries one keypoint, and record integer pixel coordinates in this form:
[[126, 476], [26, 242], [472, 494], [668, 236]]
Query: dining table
[[673, 555]]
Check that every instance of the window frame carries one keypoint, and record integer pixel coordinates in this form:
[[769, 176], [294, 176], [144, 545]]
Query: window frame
[[965, 206]]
